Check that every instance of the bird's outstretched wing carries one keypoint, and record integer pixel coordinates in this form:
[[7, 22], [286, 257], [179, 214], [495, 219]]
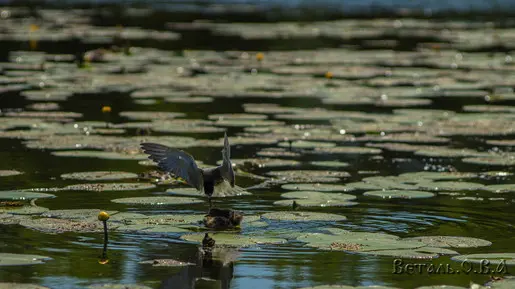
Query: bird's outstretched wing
[[226, 168], [175, 161]]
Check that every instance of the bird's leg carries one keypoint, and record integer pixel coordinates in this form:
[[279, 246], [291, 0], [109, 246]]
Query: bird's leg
[[209, 187]]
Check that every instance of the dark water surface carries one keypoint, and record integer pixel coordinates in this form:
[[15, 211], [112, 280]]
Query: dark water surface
[[290, 265]]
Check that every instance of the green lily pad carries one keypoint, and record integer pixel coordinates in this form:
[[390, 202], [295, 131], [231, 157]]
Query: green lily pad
[[8, 219], [450, 186], [23, 195], [231, 116], [118, 286], [100, 155], [303, 216], [364, 186], [382, 183], [75, 214], [101, 187], [24, 210], [304, 144], [147, 163], [445, 152], [493, 258], [309, 175], [197, 99], [177, 124], [395, 147], [166, 263], [490, 161], [317, 187], [152, 93], [330, 164], [312, 115], [186, 129], [60, 142], [346, 150], [126, 216], [150, 115], [470, 199], [246, 122], [495, 174], [489, 108], [506, 283], [268, 108], [54, 226], [223, 191], [441, 287], [99, 176], [420, 176], [437, 250], [109, 131], [234, 240], [44, 106], [7, 259], [8, 173], [45, 114], [368, 172], [343, 240], [141, 126], [505, 188], [21, 286], [404, 102], [235, 141], [451, 241], [501, 142], [150, 228], [398, 194], [263, 162], [316, 199], [143, 101], [159, 201], [254, 224], [46, 95], [167, 219], [348, 287], [277, 152]]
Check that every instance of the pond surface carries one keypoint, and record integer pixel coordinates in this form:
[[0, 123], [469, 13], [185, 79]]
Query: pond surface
[[388, 129]]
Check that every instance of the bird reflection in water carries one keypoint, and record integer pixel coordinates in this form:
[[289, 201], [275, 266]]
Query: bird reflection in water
[[214, 269]]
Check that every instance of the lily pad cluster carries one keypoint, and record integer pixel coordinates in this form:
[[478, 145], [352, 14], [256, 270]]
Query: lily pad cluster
[[424, 185], [99, 176], [316, 199], [380, 244], [406, 94]]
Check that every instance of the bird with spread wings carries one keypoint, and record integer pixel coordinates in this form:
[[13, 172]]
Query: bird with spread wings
[[182, 165]]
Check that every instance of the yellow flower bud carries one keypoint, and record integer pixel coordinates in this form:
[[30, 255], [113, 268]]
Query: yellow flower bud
[[103, 216], [260, 56], [33, 27], [328, 75], [106, 109]]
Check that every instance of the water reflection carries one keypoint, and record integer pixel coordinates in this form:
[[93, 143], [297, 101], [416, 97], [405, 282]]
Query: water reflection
[[214, 269]]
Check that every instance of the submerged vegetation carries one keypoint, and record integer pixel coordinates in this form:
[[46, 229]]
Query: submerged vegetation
[[355, 142]]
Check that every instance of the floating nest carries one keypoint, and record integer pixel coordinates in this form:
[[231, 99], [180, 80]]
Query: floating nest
[[222, 219]]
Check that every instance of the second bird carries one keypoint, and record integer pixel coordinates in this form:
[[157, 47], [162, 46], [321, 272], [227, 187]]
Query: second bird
[[182, 165]]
